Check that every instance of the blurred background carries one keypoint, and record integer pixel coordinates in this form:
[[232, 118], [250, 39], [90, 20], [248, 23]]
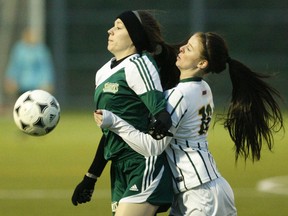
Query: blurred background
[[39, 174], [75, 31]]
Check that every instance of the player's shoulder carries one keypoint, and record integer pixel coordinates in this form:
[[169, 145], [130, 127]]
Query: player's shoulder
[[103, 73], [173, 92], [144, 62], [176, 100], [185, 91], [104, 68], [174, 95], [145, 56]]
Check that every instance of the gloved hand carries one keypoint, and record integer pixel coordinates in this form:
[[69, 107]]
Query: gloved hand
[[84, 190], [159, 128]]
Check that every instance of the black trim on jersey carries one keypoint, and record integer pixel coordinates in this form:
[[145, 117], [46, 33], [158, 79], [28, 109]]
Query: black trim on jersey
[[170, 94], [199, 178], [181, 118], [180, 171], [207, 170], [187, 144], [174, 108], [209, 157], [173, 177], [211, 162], [179, 101]]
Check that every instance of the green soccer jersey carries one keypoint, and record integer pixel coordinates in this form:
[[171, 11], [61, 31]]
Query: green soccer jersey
[[132, 90]]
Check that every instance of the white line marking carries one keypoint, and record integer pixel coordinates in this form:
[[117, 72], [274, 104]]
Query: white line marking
[[275, 185], [48, 194]]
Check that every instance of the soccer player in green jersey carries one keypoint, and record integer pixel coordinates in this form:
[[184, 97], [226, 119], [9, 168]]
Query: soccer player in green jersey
[[252, 117], [129, 85]]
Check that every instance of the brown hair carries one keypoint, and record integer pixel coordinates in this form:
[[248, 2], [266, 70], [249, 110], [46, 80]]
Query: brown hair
[[253, 114], [164, 54]]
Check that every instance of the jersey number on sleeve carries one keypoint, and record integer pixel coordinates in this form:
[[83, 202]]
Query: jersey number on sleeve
[[205, 112]]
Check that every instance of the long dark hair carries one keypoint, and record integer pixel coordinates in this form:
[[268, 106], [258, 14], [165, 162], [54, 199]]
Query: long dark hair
[[164, 54], [253, 114]]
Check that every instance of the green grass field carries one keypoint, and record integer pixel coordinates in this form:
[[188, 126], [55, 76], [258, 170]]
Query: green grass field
[[39, 174]]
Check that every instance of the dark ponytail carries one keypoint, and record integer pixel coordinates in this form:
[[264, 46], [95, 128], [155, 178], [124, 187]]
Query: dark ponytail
[[164, 54], [253, 114], [166, 59]]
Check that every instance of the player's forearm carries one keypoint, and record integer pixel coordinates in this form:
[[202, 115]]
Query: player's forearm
[[99, 161], [140, 142]]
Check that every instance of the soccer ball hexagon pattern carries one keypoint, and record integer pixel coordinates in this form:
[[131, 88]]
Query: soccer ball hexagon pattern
[[36, 112]]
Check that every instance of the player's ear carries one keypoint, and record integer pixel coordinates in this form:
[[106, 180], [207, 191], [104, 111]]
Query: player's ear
[[202, 64]]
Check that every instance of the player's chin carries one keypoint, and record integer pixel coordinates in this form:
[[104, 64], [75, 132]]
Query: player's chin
[[110, 46]]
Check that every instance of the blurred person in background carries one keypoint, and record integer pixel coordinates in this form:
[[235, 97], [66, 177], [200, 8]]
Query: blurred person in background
[[252, 117], [30, 66], [129, 84]]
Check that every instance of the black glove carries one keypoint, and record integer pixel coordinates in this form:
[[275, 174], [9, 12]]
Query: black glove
[[84, 190], [159, 128]]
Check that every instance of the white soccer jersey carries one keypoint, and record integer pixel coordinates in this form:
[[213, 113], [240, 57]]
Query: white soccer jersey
[[190, 104]]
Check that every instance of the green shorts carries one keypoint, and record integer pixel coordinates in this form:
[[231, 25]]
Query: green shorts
[[142, 179]]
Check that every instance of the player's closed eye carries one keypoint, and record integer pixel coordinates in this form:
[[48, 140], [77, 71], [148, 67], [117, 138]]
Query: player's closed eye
[[186, 47]]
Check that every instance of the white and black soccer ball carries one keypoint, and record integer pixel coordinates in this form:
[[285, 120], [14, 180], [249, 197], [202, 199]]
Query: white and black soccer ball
[[36, 112]]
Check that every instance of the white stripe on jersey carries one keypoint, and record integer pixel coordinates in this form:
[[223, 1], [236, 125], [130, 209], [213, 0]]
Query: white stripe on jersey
[[145, 194], [148, 173], [144, 72], [142, 75]]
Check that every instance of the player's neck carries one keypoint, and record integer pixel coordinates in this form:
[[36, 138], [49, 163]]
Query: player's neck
[[186, 74]]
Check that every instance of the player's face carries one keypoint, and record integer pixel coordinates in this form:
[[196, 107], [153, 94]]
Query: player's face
[[119, 41], [190, 54]]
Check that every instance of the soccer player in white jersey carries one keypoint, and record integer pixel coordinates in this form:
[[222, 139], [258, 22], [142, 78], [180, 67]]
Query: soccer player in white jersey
[[199, 188], [129, 85]]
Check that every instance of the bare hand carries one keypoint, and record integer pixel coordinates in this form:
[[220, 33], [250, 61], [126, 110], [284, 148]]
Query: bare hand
[[98, 117]]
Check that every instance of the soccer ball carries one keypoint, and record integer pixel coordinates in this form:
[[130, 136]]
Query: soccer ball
[[36, 112]]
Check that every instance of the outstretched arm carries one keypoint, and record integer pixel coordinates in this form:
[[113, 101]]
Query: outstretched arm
[[141, 142], [99, 161], [84, 190]]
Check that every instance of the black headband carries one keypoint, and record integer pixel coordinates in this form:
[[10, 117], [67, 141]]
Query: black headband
[[135, 30]]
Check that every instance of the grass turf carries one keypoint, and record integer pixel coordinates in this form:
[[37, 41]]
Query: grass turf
[[39, 174]]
